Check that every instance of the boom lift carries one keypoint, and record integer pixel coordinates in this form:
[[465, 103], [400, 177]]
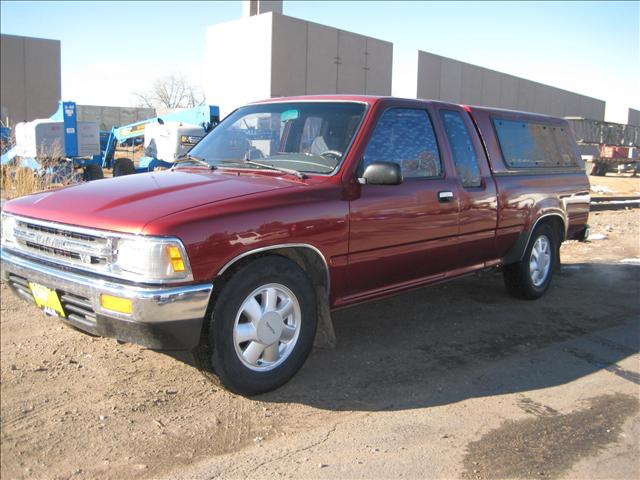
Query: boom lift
[[63, 141]]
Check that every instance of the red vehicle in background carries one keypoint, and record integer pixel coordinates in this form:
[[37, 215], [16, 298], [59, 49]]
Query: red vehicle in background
[[293, 207]]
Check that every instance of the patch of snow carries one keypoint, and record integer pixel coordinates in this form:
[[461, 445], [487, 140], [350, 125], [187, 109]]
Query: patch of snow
[[631, 261], [597, 236], [600, 189]]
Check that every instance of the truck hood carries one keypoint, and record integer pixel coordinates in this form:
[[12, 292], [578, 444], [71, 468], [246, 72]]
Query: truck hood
[[128, 203]]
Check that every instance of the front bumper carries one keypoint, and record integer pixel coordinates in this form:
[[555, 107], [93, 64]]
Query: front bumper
[[164, 318]]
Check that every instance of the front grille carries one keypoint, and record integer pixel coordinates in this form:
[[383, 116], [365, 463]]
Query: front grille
[[77, 308], [63, 245], [58, 231], [53, 251]]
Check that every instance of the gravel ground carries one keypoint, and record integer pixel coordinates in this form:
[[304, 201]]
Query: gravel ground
[[457, 380]]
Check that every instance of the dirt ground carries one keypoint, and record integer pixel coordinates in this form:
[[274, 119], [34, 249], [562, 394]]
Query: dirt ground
[[453, 381], [614, 184]]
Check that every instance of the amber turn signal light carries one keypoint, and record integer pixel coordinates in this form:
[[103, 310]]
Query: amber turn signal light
[[176, 258], [117, 304]]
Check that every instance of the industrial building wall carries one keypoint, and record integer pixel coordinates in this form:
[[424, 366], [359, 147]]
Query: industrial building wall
[[634, 117], [108, 117], [273, 55], [309, 58], [442, 78], [30, 84]]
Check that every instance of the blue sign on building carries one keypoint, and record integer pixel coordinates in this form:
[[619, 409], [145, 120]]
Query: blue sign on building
[[70, 128]]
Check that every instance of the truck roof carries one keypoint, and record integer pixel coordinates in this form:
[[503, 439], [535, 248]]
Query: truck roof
[[372, 99]]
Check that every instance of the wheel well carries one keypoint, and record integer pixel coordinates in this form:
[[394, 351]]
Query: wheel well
[[312, 263], [308, 259], [556, 222]]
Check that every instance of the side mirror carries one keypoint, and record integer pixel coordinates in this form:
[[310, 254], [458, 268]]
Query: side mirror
[[382, 173]]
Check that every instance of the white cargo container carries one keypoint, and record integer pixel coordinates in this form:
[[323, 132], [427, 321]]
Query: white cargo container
[[45, 138], [171, 140]]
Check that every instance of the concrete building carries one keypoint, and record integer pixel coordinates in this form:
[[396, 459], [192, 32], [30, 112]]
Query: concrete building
[[634, 117], [30, 84], [108, 117], [442, 78], [272, 55]]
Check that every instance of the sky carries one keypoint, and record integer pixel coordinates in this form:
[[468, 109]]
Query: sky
[[112, 49]]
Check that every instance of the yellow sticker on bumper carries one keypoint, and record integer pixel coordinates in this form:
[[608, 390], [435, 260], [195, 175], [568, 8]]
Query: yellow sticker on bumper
[[47, 299]]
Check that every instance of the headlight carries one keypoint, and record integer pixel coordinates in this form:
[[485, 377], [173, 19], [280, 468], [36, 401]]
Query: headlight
[[151, 259], [8, 227]]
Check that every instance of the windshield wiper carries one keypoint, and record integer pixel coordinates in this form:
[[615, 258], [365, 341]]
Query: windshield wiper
[[290, 171], [188, 158]]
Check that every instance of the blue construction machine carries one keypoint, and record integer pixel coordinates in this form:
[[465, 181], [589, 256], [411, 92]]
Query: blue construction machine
[[62, 143]]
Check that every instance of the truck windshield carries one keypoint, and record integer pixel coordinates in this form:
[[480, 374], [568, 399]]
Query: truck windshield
[[309, 137]]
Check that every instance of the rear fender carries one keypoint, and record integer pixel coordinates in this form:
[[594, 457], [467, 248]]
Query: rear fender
[[517, 251]]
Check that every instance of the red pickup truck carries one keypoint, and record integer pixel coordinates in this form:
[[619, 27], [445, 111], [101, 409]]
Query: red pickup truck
[[291, 208]]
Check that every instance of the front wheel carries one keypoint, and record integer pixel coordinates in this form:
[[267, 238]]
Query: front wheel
[[123, 166], [531, 277], [262, 327]]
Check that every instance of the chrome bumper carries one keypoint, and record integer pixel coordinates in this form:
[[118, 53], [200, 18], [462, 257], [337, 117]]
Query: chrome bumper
[[168, 311]]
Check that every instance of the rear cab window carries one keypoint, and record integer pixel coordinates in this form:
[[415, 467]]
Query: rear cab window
[[529, 144], [464, 153]]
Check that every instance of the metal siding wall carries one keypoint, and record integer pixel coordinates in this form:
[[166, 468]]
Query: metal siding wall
[[451, 81], [429, 75], [634, 117], [573, 103], [557, 103], [30, 84], [542, 98], [352, 50], [316, 59], [490, 89], [599, 108], [42, 77], [12, 83], [471, 83], [508, 91], [526, 95], [442, 78], [379, 66], [322, 48], [289, 56]]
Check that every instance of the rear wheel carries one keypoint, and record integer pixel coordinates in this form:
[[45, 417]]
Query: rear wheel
[[262, 327], [531, 277], [123, 166], [600, 169], [93, 171]]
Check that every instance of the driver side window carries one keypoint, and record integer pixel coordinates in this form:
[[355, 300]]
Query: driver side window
[[405, 136]]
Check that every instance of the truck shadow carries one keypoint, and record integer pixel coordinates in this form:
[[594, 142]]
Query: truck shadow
[[467, 339]]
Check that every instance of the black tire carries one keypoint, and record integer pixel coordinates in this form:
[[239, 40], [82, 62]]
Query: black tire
[[123, 166], [518, 278], [93, 171], [600, 169], [217, 355]]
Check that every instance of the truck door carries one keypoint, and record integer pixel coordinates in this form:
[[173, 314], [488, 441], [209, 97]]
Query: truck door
[[401, 234], [476, 189]]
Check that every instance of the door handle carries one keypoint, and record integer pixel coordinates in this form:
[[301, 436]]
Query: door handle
[[445, 197]]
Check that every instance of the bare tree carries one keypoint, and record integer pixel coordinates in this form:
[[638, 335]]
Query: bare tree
[[171, 92]]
